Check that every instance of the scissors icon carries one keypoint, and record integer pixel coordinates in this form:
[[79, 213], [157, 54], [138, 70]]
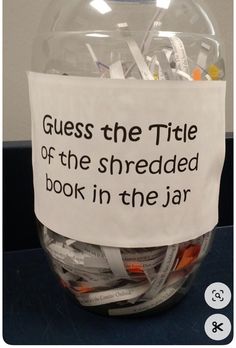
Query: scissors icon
[[216, 327]]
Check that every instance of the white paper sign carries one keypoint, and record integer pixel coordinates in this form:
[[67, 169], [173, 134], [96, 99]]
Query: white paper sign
[[127, 163]]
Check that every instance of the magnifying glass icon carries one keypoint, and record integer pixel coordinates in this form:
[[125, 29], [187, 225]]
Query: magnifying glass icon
[[217, 295]]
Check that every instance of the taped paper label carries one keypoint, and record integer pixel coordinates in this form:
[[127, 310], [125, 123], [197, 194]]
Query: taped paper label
[[127, 163]]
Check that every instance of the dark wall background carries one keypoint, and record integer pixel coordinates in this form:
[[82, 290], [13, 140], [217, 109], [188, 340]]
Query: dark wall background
[[19, 224]]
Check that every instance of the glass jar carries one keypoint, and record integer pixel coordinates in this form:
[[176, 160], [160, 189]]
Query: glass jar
[[174, 40]]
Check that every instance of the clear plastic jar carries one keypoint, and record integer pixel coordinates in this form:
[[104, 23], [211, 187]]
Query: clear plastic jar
[[177, 40]]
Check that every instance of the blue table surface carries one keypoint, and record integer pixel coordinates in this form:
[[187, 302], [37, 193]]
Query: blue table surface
[[36, 310]]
